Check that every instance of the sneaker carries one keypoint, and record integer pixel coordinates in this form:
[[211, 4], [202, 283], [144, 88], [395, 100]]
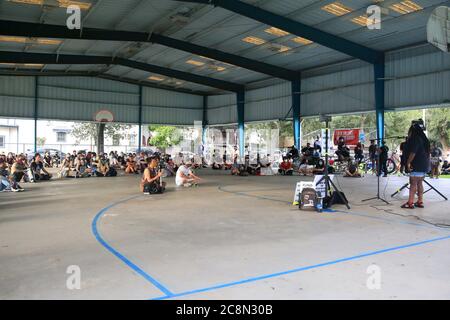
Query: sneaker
[[20, 188], [14, 190], [187, 185], [147, 193]]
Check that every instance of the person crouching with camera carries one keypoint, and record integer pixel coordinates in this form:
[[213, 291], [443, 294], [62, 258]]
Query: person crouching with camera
[[417, 163], [151, 178]]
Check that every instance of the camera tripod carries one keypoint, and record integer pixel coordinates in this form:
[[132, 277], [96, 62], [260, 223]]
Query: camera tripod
[[406, 185], [328, 181]]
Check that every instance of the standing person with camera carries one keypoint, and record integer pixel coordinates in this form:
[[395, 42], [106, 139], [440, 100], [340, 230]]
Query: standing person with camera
[[151, 178], [417, 163]]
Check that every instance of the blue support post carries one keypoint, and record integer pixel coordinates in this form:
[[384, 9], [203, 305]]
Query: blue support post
[[379, 73], [35, 112], [296, 88], [241, 120], [205, 119], [140, 119]]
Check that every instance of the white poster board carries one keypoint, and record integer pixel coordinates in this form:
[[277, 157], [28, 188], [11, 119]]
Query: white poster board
[[321, 188], [299, 188]]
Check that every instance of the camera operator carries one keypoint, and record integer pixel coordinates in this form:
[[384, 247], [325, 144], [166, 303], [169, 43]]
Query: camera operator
[[417, 163], [151, 178]]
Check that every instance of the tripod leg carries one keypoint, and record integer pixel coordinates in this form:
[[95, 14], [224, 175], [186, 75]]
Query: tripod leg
[[340, 195], [434, 189], [399, 190]]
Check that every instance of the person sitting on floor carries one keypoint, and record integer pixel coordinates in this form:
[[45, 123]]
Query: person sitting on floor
[[319, 169], [38, 169], [286, 167], [18, 170], [64, 171], [151, 178], [445, 168], [185, 177], [131, 165], [48, 163], [305, 168], [352, 171], [81, 170]]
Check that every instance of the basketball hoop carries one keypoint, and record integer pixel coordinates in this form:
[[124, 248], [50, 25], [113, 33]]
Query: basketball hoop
[[104, 116]]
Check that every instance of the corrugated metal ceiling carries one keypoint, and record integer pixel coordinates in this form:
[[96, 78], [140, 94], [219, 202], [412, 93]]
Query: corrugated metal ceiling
[[217, 28]]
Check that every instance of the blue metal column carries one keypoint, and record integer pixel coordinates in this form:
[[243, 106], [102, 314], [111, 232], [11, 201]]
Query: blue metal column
[[204, 119], [296, 98], [379, 73], [35, 112], [140, 119], [241, 120]]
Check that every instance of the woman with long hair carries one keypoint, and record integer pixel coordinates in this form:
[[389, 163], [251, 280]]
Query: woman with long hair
[[417, 163]]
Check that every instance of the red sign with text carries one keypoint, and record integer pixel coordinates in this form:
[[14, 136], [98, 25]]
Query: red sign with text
[[351, 136]]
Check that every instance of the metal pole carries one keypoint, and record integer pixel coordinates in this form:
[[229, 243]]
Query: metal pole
[[296, 98], [35, 113], [140, 120]]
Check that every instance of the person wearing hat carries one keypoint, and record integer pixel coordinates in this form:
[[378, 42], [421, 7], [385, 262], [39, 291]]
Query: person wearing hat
[[185, 177]]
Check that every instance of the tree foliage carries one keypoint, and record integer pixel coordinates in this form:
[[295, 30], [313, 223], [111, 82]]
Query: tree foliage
[[89, 131], [165, 136]]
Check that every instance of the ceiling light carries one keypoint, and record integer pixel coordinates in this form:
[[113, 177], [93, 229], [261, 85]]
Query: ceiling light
[[301, 40], [277, 32], [29, 40], [27, 65], [195, 62], [56, 3], [155, 78], [405, 7], [278, 48], [337, 8], [363, 21], [254, 40]]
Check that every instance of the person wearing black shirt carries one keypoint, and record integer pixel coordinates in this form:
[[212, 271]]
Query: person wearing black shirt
[[37, 167], [293, 153], [446, 167], [373, 154], [343, 151], [359, 153], [417, 163], [404, 151], [383, 159]]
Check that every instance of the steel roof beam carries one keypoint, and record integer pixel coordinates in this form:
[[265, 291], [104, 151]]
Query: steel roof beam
[[46, 58], [27, 29], [302, 30]]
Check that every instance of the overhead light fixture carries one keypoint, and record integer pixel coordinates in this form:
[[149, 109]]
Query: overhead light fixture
[[254, 40], [216, 67], [405, 7], [56, 3], [155, 78], [278, 48], [301, 40], [26, 65], [195, 63], [277, 32], [363, 21], [29, 40], [337, 8]]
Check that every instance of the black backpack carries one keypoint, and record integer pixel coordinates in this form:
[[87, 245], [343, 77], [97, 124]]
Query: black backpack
[[308, 199]]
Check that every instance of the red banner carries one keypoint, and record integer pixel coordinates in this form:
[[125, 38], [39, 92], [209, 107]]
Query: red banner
[[351, 136]]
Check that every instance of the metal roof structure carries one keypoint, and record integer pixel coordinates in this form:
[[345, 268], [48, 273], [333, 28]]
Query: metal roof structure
[[242, 49]]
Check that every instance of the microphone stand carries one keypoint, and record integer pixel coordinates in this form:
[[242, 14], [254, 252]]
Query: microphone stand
[[378, 168]]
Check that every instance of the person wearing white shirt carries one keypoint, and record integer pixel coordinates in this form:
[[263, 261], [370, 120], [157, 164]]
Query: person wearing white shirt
[[185, 177]]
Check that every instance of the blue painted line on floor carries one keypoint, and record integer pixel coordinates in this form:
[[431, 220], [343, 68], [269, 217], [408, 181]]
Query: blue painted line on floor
[[315, 266], [120, 256]]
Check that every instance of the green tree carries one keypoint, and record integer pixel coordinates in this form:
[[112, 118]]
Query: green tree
[[438, 126], [40, 141], [98, 131], [165, 136]]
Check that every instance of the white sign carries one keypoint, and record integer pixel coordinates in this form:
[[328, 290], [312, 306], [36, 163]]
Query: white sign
[[321, 187], [299, 188]]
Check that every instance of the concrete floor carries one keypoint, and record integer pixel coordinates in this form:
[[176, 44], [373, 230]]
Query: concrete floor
[[230, 238]]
